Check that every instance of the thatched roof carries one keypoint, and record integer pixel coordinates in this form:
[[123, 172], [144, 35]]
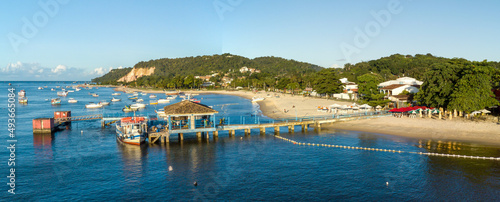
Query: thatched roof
[[188, 107]]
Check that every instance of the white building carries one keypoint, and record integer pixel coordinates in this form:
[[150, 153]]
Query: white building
[[349, 87], [396, 89], [244, 69], [402, 80]]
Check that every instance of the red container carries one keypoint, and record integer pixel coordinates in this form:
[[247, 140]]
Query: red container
[[62, 114], [43, 125]]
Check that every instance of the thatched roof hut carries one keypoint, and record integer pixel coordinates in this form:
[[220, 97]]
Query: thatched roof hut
[[187, 107]]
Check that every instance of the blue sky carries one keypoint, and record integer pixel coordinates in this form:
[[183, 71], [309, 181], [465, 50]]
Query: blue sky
[[79, 40]]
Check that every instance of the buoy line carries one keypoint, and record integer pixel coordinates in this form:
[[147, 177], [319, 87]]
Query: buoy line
[[386, 150]]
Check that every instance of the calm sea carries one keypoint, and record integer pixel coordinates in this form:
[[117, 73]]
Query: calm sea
[[86, 163]]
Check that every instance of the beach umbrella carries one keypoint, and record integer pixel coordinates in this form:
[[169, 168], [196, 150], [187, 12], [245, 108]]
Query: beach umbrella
[[334, 106]]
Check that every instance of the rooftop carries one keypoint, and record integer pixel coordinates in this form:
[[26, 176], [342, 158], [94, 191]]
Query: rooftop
[[187, 107], [393, 86]]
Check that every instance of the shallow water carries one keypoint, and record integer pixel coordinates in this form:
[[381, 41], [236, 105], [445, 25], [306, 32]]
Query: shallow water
[[86, 162]]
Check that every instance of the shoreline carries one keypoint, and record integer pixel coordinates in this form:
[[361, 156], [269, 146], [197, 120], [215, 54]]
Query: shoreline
[[423, 128]]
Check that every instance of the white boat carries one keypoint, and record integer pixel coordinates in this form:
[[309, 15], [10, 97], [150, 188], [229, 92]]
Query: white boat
[[129, 109], [103, 103], [62, 93], [138, 105], [256, 99], [131, 130], [144, 94], [53, 89], [71, 100], [21, 93], [93, 105], [153, 102], [70, 91], [116, 100], [152, 96], [171, 97], [116, 94], [139, 100], [40, 88], [78, 89], [95, 95], [135, 94], [163, 101]]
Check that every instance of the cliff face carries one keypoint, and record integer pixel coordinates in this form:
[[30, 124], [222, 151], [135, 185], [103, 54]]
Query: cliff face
[[137, 73]]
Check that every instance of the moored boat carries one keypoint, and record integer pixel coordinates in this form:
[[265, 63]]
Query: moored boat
[[78, 89], [55, 101], [40, 88], [93, 105], [21, 93], [163, 101], [140, 100], [95, 95], [152, 96], [127, 108], [115, 94], [132, 98], [153, 102], [72, 100], [103, 103], [62, 93], [257, 99], [138, 105], [132, 130], [116, 100], [52, 89], [23, 100], [171, 97]]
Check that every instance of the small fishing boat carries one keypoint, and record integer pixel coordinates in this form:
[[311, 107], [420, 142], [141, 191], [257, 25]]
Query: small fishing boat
[[152, 96], [44, 86], [135, 94], [171, 93], [71, 91], [104, 103], [58, 86], [55, 101], [132, 98], [23, 100], [171, 97], [195, 100], [140, 100], [115, 94], [116, 100], [257, 99], [78, 89], [128, 108], [95, 95], [138, 105], [144, 94], [163, 101], [62, 93], [153, 102], [40, 88], [131, 130], [21, 93], [93, 105], [71, 100], [52, 89]]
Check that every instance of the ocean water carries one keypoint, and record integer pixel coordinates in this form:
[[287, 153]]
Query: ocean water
[[87, 163]]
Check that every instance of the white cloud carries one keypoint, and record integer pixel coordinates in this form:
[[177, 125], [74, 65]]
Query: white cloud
[[59, 69]]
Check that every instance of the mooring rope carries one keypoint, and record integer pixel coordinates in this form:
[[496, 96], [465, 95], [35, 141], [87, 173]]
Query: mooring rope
[[386, 150]]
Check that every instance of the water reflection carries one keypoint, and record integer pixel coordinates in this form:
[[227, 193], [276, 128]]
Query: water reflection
[[42, 144], [134, 158]]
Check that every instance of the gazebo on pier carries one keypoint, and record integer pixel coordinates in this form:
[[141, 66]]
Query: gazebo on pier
[[189, 117]]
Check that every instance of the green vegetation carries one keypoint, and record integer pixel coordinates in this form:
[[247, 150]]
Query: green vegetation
[[450, 83], [368, 90]]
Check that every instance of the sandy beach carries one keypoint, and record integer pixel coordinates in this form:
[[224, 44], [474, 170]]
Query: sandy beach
[[425, 128]]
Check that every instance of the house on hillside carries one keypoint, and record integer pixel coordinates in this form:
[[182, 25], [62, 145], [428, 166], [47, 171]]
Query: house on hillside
[[350, 90], [402, 80]]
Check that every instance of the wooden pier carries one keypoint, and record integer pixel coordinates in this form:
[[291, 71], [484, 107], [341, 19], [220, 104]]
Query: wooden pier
[[164, 135]]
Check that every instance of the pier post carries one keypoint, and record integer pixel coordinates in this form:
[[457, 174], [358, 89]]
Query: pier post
[[231, 133], [262, 130], [181, 137], [103, 123], [318, 127], [304, 127], [167, 138], [291, 129], [277, 130], [198, 135], [216, 134], [247, 131]]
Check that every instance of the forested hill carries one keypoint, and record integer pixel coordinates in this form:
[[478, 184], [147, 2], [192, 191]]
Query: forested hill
[[397, 66], [167, 68]]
